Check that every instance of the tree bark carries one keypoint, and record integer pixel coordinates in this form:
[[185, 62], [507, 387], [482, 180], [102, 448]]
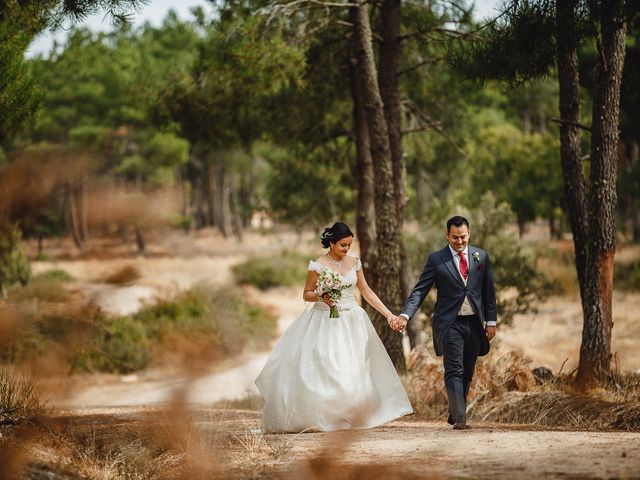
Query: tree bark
[[595, 351], [72, 218], [390, 14], [195, 177], [139, 238], [234, 208], [386, 256], [222, 202], [570, 152], [365, 216], [635, 212]]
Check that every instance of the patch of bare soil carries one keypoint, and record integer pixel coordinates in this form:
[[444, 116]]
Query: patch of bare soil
[[552, 336]]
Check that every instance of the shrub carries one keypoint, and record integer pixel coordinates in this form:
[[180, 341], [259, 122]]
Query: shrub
[[14, 266], [266, 272], [55, 275], [18, 397], [626, 276], [120, 345], [201, 319], [44, 288], [45, 317], [123, 276]]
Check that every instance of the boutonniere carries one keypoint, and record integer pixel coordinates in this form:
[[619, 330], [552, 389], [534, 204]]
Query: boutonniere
[[476, 257]]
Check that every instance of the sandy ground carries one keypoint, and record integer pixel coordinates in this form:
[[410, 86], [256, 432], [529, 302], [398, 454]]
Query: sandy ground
[[405, 448], [417, 448]]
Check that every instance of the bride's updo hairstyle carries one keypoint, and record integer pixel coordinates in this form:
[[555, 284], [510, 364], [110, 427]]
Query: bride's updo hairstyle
[[335, 233]]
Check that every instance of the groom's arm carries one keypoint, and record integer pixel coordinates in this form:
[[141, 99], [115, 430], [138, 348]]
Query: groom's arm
[[420, 290]]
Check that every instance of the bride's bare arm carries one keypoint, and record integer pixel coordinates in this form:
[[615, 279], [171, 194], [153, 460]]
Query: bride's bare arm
[[371, 297], [309, 294]]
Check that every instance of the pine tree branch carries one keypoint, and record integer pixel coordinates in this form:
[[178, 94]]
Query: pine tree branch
[[570, 123], [418, 65], [431, 124]]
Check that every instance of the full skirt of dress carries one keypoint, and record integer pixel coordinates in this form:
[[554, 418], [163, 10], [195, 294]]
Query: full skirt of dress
[[330, 374]]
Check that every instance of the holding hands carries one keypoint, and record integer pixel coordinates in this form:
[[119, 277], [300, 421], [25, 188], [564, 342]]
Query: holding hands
[[397, 322]]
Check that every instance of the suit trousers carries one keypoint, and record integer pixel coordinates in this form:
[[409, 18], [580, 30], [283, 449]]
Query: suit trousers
[[460, 352]]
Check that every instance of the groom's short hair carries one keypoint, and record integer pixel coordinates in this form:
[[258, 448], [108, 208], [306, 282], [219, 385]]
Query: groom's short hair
[[457, 221]]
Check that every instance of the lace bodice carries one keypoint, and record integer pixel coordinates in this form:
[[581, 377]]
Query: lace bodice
[[348, 278]]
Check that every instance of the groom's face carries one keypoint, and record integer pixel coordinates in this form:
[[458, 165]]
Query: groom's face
[[458, 237]]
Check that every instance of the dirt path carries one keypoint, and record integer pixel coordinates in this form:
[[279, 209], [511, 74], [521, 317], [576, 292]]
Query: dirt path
[[435, 450], [403, 449]]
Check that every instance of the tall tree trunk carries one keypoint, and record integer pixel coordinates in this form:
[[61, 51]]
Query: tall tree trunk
[[595, 351], [222, 202], [72, 219], [208, 198], [390, 14], [195, 177], [234, 208], [84, 205], [635, 211], [139, 238], [570, 153], [365, 217], [386, 256]]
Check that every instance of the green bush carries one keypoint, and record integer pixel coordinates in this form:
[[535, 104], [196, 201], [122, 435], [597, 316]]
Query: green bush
[[48, 287], [626, 276], [121, 345], [279, 270], [218, 319], [14, 266], [201, 319], [55, 275]]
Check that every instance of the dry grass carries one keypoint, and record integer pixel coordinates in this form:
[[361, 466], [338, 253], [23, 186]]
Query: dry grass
[[505, 390], [125, 275], [19, 398]]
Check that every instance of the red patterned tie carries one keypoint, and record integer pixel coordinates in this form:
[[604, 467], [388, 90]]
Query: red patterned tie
[[464, 267]]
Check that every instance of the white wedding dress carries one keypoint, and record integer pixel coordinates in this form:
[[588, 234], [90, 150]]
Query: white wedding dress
[[330, 373]]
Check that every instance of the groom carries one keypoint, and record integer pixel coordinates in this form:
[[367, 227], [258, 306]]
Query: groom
[[464, 320]]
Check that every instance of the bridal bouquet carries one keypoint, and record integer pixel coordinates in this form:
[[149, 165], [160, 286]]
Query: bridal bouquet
[[331, 282]]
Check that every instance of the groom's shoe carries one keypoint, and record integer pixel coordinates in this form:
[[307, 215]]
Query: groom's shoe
[[450, 420], [461, 424]]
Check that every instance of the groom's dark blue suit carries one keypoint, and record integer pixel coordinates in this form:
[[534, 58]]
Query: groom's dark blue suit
[[461, 339]]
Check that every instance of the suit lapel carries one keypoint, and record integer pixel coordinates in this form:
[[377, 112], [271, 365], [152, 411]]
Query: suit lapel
[[447, 258]]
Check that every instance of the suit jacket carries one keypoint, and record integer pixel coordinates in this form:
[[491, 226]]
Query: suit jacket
[[442, 272]]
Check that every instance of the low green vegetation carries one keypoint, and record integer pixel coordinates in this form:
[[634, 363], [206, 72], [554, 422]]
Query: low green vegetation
[[47, 286], [203, 322], [626, 276], [215, 323], [285, 269], [14, 266]]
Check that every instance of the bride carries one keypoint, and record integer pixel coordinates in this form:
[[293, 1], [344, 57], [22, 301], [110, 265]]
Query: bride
[[332, 373]]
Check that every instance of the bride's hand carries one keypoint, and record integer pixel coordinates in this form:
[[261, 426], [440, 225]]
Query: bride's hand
[[326, 298], [397, 322]]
